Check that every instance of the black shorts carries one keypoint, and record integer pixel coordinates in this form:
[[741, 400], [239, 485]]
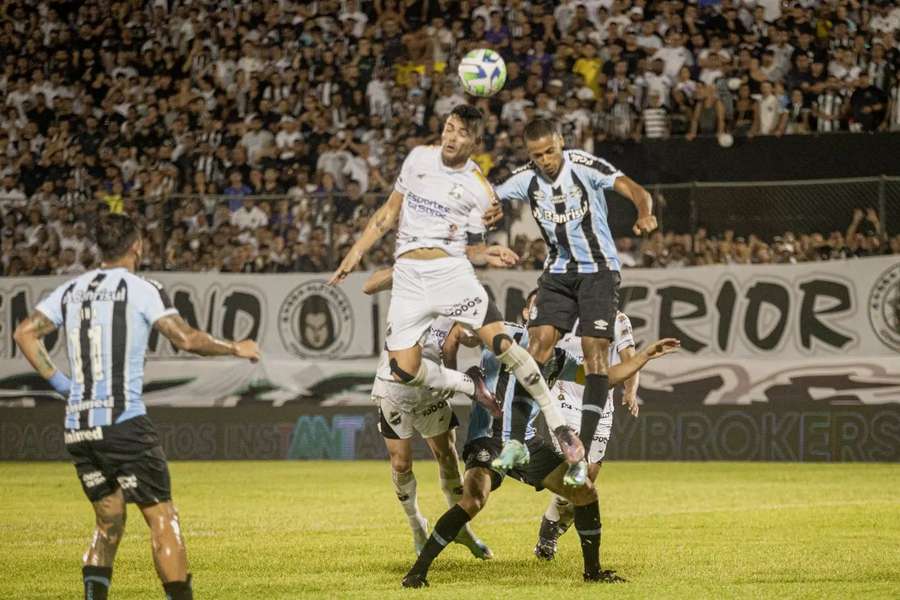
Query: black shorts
[[544, 460], [590, 298], [128, 456]]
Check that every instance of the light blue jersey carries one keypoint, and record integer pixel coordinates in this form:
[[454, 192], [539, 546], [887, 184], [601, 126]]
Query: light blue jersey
[[571, 211], [503, 384], [106, 316]]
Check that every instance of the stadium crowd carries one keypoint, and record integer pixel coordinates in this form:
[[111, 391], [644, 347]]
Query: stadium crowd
[[259, 136]]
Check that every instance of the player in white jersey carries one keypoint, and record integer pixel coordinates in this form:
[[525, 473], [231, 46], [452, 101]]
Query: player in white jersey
[[106, 315], [559, 514], [440, 198], [404, 410]]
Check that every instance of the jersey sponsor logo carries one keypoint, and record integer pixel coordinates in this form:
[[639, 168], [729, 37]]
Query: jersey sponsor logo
[[83, 435], [464, 307], [89, 405], [575, 214], [884, 308], [92, 479], [127, 482], [601, 325], [316, 320], [424, 206]]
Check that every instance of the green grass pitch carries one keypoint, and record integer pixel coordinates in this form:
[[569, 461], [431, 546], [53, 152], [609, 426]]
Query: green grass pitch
[[334, 530]]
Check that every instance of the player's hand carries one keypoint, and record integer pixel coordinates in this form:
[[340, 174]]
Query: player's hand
[[247, 349], [501, 257], [629, 399], [350, 262], [644, 225], [662, 347], [493, 215]]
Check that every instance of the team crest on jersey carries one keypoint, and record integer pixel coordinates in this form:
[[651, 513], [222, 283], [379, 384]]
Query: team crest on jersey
[[456, 192], [884, 308], [483, 456], [316, 321]]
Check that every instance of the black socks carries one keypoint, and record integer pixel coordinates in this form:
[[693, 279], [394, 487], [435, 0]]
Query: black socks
[[96, 582], [587, 523]]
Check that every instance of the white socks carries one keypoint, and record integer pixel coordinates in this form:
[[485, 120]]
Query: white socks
[[433, 375], [528, 374], [560, 511], [405, 486]]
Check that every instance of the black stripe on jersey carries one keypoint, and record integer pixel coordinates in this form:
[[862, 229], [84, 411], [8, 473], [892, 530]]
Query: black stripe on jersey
[[84, 340], [562, 235], [503, 383], [552, 249], [591, 161], [163, 296], [119, 348], [62, 306], [586, 226]]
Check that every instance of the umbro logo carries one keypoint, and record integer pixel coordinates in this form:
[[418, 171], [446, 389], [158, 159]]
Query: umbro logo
[[600, 325]]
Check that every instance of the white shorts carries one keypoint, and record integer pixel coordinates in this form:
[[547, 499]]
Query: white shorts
[[424, 289], [569, 404], [399, 420]]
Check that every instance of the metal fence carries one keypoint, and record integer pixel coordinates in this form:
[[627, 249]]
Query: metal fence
[[765, 209], [769, 208]]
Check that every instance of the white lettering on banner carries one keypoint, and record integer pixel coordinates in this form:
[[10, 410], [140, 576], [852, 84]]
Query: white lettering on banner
[[232, 306]]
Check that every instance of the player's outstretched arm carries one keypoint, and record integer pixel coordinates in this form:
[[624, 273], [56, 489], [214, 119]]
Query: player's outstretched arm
[[199, 342], [629, 395], [380, 223], [28, 338], [641, 199], [379, 281], [626, 369], [492, 256]]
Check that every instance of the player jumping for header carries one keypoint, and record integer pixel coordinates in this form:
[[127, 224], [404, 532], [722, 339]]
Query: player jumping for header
[[581, 277], [106, 315], [440, 198]]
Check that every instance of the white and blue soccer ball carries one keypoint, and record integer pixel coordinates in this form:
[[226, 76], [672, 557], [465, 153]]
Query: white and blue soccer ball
[[482, 72]]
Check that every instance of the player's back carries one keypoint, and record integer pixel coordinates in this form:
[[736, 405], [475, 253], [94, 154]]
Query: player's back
[[441, 206], [571, 211], [106, 316]]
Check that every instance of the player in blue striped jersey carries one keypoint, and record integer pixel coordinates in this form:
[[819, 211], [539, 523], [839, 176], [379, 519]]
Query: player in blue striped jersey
[[544, 467], [565, 190], [106, 316]]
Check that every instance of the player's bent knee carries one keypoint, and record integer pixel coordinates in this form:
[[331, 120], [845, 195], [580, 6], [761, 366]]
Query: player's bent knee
[[501, 343], [399, 373], [584, 495], [473, 501], [401, 464]]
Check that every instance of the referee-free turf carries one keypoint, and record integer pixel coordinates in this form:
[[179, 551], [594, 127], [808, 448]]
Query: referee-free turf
[[335, 530]]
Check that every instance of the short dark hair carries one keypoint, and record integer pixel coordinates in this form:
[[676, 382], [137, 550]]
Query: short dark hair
[[471, 117], [539, 128], [114, 234]]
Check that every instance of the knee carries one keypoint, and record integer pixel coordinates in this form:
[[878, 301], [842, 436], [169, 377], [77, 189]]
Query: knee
[[401, 464], [405, 373], [584, 495], [111, 526], [540, 349], [473, 501]]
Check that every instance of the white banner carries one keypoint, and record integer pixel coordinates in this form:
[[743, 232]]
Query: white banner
[[290, 316], [847, 308]]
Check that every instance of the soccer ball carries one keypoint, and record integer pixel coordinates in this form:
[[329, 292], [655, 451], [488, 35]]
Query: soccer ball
[[482, 72]]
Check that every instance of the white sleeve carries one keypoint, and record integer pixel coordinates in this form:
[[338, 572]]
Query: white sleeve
[[401, 186], [623, 332], [51, 306], [154, 304]]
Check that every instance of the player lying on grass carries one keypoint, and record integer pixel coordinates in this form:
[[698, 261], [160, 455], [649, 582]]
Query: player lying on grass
[[559, 514], [106, 315], [440, 199], [404, 410], [546, 468]]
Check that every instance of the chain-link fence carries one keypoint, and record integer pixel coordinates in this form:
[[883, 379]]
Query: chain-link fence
[[766, 209]]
